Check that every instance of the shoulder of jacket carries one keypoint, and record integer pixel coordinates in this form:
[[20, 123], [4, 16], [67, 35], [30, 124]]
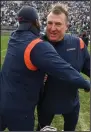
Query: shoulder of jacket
[[69, 38], [78, 41]]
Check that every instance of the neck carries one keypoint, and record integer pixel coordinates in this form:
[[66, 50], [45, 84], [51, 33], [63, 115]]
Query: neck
[[34, 30]]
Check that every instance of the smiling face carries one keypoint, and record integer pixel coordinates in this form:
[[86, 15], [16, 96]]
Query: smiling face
[[56, 26]]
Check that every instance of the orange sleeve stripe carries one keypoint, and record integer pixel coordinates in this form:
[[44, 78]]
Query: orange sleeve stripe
[[27, 53], [81, 44]]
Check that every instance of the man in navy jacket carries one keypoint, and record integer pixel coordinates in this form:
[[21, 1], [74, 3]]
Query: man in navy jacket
[[59, 96]]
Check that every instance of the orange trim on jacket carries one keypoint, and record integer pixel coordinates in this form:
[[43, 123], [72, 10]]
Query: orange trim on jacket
[[27, 53], [81, 43]]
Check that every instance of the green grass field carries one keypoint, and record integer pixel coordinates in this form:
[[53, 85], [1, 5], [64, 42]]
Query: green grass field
[[84, 118]]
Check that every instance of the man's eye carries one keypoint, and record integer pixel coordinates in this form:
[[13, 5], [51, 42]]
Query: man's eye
[[58, 24], [50, 23]]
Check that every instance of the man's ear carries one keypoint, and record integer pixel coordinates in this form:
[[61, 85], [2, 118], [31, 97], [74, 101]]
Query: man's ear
[[38, 24], [67, 26]]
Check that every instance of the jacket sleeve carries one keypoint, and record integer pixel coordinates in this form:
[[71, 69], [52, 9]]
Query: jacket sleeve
[[46, 59], [86, 65]]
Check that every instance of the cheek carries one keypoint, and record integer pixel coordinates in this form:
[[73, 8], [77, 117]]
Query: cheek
[[62, 30], [47, 30]]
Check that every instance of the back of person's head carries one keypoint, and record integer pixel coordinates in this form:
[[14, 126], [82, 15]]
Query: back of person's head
[[27, 17], [58, 9]]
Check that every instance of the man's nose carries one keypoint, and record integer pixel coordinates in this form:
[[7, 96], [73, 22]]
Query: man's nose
[[53, 27]]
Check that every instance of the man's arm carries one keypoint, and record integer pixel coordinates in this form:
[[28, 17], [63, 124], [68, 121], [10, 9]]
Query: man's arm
[[86, 65], [45, 58]]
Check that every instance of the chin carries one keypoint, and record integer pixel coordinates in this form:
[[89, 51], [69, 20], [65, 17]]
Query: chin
[[53, 40]]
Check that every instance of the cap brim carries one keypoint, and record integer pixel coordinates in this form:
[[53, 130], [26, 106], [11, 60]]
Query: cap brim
[[24, 26]]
